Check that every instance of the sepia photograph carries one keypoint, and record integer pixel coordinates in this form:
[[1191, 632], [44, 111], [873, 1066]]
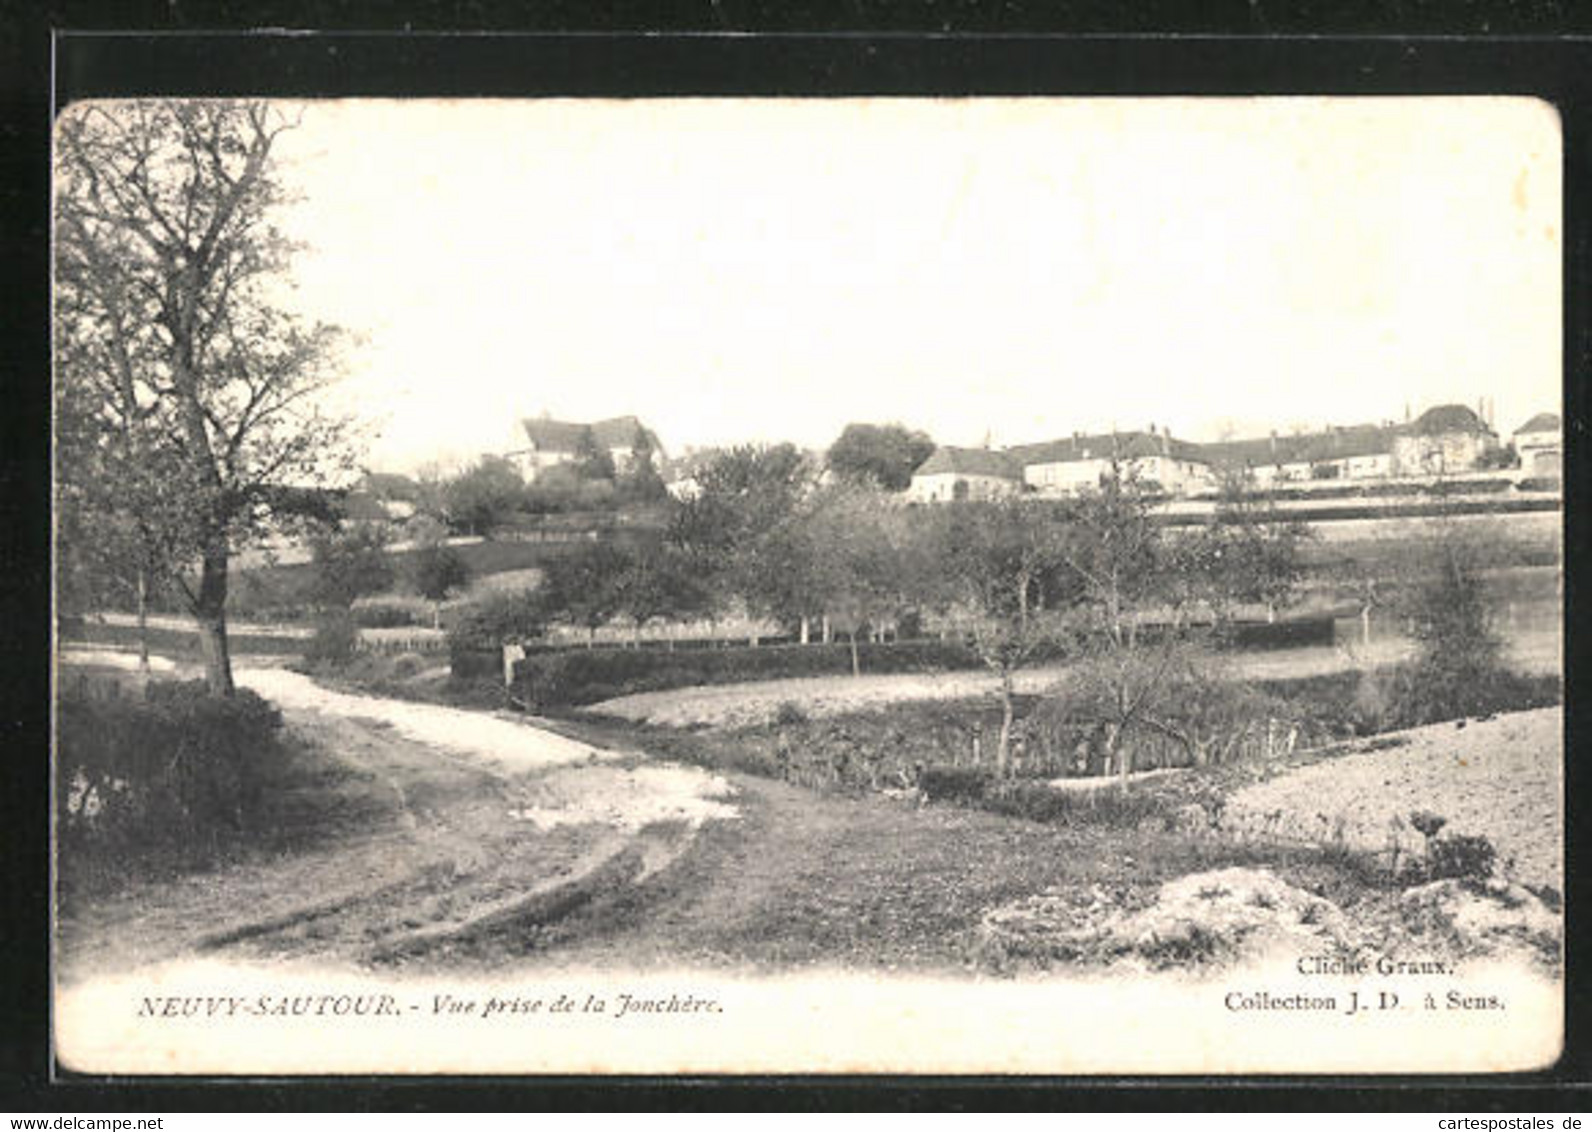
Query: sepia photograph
[[911, 585]]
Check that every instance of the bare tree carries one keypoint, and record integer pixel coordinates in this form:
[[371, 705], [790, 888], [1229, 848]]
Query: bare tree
[[1141, 658], [169, 314], [1008, 576]]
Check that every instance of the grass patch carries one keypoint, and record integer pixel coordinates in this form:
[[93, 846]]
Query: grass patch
[[306, 797]]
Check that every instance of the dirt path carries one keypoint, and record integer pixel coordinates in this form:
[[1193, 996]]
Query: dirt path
[[434, 827]]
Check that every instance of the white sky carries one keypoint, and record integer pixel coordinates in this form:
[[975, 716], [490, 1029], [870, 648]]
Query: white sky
[[769, 270]]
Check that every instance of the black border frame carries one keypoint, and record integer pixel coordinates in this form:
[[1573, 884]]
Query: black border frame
[[630, 63]]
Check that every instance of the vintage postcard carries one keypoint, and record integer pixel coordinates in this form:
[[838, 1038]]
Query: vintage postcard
[[898, 585]]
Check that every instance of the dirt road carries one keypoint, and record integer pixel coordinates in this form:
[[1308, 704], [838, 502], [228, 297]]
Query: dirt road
[[433, 828]]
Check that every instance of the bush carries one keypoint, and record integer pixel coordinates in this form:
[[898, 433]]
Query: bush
[[436, 570], [1460, 857], [963, 785], [1394, 697], [408, 664], [335, 640], [1191, 716], [486, 623], [351, 563], [178, 763], [1417, 693], [789, 713]]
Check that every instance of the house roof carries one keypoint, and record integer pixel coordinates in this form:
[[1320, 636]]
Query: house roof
[[1339, 443], [547, 435], [1542, 422], [1347, 443], [968, 462], [1254, 451], [1448, 418], [1101, 446]]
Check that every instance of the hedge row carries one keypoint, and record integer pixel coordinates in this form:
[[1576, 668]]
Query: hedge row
[[577, 676]]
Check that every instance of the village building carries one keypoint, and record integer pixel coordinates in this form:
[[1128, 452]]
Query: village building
[[1348, 452], [1065, 467], [965, 473], [1443, 440], [1540, 445], [549, 443]]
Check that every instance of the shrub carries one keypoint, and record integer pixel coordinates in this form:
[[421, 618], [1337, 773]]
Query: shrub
[[1190, 716], [351, 563], [486, 623], [963, 785], [436, 570], [178, 763], [1420, 692], [407, 664], [789, 713], [1460, 857], [1395, 697], [335, 640]]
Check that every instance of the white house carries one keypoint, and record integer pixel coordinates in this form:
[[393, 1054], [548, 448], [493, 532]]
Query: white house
[[964, 473], [1443, 440], [1067, 466], [549, 443], [1540, 443]]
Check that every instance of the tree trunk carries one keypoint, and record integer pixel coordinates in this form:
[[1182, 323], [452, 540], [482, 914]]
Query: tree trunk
[[143, 622], [856, 661], [1003, 752], [1365, 624], [210, 610], [436, 615], [1118, 755]]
